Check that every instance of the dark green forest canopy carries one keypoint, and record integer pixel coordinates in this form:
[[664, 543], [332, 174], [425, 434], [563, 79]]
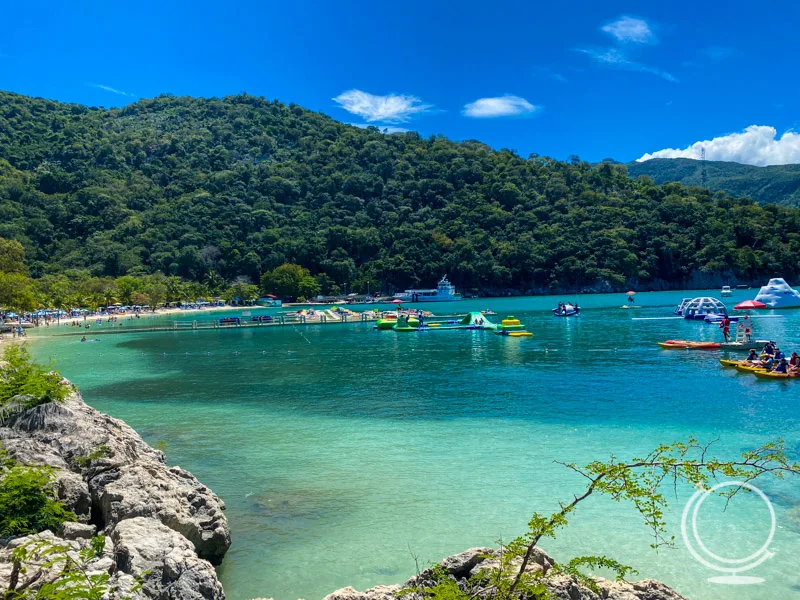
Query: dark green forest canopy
[[240, 185], [777, 184]]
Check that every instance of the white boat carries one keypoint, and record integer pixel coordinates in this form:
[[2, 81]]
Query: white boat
[[778, 294], [726, 291], [444, 292]]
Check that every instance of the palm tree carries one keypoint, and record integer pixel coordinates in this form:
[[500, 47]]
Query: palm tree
[[109, 295]]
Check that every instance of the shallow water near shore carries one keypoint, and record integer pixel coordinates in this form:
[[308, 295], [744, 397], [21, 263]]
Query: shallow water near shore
[[341, 450]]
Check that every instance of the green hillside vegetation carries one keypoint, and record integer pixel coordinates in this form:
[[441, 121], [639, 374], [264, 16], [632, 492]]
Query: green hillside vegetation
[[779, 184], [231, 189]]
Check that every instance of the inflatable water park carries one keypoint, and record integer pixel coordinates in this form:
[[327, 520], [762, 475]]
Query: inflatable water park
[[475, 320], [778, 294]]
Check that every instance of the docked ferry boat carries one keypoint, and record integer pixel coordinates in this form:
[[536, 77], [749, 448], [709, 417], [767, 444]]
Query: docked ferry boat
[[444, 292]]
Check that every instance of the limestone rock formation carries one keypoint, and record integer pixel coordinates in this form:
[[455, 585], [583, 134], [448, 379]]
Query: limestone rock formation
[[562, 587], [156, 518]]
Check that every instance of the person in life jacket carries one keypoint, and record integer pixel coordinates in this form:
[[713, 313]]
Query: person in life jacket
[[725, 325]]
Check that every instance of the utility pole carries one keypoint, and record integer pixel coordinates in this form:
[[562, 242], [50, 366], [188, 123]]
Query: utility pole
[[703, 180]]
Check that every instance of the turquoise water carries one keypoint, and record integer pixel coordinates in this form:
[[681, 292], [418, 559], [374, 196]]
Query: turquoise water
[[340, 450]]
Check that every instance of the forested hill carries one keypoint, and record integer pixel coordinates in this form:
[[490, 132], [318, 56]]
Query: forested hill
[[779, 184], [240, 185]]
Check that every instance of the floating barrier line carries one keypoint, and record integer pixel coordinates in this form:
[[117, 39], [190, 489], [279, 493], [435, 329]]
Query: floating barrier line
[[214, 325], [654, 318]]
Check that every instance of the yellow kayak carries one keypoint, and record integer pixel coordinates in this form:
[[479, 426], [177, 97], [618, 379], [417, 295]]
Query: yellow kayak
[[772, 375], [729, 363], [753, 369]]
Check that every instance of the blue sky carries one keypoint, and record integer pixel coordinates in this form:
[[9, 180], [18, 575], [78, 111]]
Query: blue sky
[[594, 79]]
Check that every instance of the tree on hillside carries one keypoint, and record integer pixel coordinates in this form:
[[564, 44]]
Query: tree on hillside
[[213, 189], [290, 281], [12, 257], [17, 293]]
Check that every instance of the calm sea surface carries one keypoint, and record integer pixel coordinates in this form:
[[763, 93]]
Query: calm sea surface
[[340, 450]]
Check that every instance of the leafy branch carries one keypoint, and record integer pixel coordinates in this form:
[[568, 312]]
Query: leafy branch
[[510, 575], [43, 570], [640, 482]]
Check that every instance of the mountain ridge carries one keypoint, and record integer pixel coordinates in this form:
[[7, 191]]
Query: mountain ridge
[[237, 186], [773, 184]]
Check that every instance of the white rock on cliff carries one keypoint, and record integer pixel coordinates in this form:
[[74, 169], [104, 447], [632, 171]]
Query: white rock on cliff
[[561, 587], [155, 517]]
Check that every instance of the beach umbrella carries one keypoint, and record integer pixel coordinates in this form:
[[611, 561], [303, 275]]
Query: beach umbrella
[[749, 304], [397, 301], [631, 293]]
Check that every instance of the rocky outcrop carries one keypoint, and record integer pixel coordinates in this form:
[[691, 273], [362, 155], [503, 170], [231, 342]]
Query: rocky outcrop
[[156, 518], [562, 587]]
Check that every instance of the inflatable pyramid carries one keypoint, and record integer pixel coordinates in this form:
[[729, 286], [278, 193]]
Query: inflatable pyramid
[[778, 294]]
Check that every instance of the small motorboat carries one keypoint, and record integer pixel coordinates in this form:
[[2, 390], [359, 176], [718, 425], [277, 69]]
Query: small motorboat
[[567, 310], [726, 291]]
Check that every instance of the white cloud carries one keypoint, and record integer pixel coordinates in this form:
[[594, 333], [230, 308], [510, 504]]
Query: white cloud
[[106, 88], [756, 145], [383, 128], [392, 108], [617, 59], [630, 29], [502, 106]]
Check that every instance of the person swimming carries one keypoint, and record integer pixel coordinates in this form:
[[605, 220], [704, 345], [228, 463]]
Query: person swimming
[[83, 339]]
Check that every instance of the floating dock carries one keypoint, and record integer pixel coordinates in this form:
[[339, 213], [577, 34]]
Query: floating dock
[[234, 323]]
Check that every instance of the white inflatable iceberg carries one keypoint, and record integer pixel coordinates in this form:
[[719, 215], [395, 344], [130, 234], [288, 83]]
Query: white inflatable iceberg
[[778, 294]]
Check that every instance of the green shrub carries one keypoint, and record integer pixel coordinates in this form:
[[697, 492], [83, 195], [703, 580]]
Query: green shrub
[[27, 501], [23, 377]]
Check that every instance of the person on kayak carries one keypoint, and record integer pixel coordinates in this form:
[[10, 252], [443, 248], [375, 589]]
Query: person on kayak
[[782, 367], [769, 349], [779, 355], [794, 360], [753, 356], [725, 325]]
